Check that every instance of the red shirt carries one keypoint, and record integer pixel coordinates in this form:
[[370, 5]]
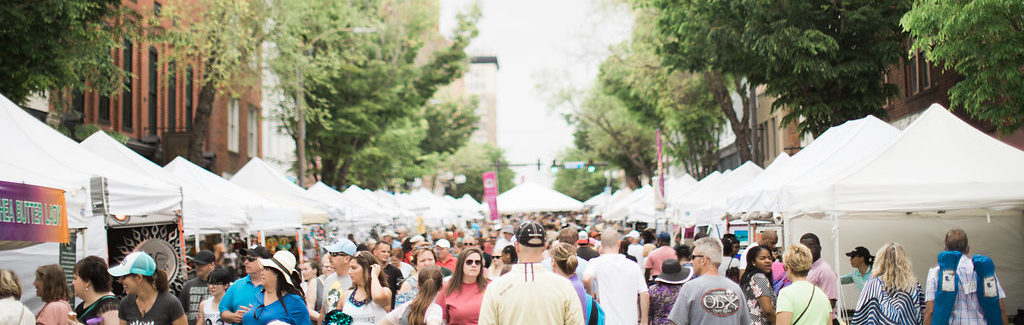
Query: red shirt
[[461, 307], [449, 264]]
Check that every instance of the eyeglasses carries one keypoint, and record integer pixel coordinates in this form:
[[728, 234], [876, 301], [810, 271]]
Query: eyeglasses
[[475, 262], [338, 254], [696, 256], [249, 259]]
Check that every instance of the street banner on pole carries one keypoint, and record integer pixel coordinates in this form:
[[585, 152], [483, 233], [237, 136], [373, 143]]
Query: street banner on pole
[[491, 193], [32, 213]]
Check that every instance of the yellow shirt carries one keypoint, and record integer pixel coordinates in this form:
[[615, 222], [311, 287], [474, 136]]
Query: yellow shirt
[[529, 294]]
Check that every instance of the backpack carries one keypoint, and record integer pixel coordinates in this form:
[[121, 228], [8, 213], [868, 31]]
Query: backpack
[[594, 314]]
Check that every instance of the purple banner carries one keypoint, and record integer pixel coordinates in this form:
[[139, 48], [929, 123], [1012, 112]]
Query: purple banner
[[32, 213]]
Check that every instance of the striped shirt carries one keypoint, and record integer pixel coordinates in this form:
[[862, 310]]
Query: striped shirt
[[880, 306]]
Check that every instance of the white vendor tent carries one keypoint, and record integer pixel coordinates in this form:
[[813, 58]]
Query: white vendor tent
[[941, 173], [530, 197], [597, 201], [36, 154], [358, 214], [263, 214], [260, 178], [708, 206], [203, 209], [620, 210]]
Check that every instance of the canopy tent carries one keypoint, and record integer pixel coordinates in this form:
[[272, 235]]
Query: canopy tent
[[708, 206], [940, 173], [359, 214], [437, 208], [739, 200], [679, 184], [263, 214], [203, 209], [260, 178], [838, 149], [469, 208], [618, 211], [530, 197], [370, 200], [597, 201], [36, 154]]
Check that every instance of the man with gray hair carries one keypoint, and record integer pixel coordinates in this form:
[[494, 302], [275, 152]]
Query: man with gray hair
[[710, 298], [616, 282]]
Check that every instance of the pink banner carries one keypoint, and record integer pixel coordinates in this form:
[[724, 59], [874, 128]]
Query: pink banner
[[491, 193], [32, 213]]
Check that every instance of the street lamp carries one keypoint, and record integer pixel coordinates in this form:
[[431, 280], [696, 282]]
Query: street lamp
[[300, 97]]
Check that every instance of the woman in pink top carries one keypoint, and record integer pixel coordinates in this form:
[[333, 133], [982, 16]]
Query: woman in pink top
[[52, 288], [461, 297]]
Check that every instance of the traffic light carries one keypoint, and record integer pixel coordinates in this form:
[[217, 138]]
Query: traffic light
[[554, 166], [590, 166]]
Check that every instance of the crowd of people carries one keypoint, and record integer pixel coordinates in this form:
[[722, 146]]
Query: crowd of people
[[531, 273]]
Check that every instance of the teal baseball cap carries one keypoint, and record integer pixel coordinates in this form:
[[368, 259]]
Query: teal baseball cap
[[135, 263]]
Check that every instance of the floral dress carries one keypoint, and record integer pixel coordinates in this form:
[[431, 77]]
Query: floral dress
[[758, 286], [663, 296], [414, 288]]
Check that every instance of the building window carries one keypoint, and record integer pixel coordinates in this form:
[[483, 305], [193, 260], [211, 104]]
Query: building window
[[126, 94], [254, 113], [78, 102], [103, 111], [172, 97], [154, 58], [919, 76], [233, 125], [188, 99]]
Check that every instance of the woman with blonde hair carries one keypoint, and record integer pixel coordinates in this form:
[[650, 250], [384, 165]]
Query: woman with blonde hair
[[421, 257], [801, 303], [52, 288], [892, 295], [12, 311]]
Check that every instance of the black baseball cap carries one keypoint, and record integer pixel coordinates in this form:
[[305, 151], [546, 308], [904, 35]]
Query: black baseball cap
[[257, 252], [530, 234], [859, 251], [204, 257]]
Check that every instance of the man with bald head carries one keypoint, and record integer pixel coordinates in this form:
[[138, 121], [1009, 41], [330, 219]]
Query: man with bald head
[[768, 238]]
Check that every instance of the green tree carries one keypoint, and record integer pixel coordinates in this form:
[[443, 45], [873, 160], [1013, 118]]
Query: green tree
[[472, 160], [380, 80], [450, 123], [982, 41], [393, 158], [678, 103], [581, 184], [607, 129], [822, 59], [220, 38], [58, 44]]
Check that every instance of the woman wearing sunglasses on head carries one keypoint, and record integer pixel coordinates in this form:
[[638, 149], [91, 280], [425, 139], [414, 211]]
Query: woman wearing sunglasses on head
[[462, 295], [282, 299]]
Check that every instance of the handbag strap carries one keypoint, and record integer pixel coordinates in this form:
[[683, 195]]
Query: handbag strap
[[806, 307]]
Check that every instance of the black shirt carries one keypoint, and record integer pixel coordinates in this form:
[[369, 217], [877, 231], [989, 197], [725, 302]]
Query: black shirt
[[192, 294], [587, 253], [97, 309], [165, 310]]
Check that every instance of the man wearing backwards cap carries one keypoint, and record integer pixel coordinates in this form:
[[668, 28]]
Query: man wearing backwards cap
[[196, 290], [336, 284], [243, 292], [530, 294]]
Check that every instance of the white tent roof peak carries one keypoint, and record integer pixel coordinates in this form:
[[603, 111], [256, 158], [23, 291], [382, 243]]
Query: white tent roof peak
[[259, 177], [939, 163], [530, 197]]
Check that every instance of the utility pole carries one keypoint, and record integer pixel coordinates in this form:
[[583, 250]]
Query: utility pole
[[300, 152]]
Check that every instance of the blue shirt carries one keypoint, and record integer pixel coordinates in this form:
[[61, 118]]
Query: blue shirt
[[241, 293], [290, 309]]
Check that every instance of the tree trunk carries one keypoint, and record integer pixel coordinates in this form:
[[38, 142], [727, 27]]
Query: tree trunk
[[724, 101], [201, 123]]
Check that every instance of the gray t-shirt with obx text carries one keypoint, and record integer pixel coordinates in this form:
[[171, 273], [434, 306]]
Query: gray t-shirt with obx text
[[710, 300]]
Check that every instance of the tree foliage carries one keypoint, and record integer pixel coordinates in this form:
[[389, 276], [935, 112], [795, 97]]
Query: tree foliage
[[472, 160], [376, 81], [823, 60], [57, 44], [221, 39], [581, 184], [450, 123], [981, 40]]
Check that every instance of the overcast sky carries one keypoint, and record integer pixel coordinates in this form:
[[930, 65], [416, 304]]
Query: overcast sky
[[536, 40]]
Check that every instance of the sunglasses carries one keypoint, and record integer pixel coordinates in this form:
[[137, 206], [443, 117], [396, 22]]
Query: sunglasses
[[338, 254], [249, 259], [475, 262]]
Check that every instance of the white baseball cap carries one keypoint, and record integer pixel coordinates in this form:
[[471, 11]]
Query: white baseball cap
[[443, 243]]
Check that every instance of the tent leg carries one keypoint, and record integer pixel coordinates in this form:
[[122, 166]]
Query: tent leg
[[839, 288], [298, 238], [197, 242]]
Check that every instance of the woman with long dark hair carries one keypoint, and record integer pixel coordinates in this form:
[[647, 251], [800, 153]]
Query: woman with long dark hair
[[282, 298], [462, 295], [92, 285], [369, 299], [147, 300], [757, 285], [52, 289], [422, 310]]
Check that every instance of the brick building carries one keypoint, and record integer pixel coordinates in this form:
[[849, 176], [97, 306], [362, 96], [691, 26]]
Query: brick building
[[155, 111]]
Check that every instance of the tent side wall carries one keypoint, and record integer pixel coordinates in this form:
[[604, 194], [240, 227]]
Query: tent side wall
[[922, 236]]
